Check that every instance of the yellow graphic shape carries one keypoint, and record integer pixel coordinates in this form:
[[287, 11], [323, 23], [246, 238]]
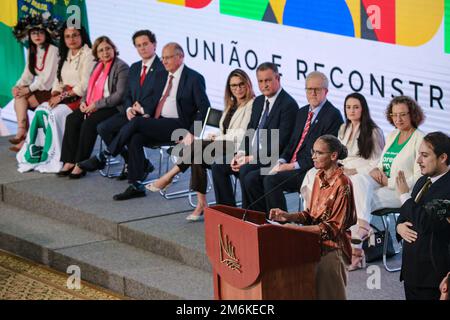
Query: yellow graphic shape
[[278, 9], [354, 7], [417, 21], [176, 2], [8, 12]]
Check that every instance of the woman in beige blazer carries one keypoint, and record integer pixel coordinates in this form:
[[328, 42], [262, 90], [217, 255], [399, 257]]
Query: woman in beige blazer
[[239, 96]]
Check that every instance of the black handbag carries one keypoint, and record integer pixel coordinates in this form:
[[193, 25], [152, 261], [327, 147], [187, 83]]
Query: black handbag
[[373, 249]]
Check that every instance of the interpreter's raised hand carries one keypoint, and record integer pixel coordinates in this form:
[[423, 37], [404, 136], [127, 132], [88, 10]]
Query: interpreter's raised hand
[[401, 184], [405, 231]]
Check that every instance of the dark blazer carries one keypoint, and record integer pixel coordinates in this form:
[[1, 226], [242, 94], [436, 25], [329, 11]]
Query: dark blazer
[[192, 101], [117, 85], [327, 121], [281, 116], [145, 94], [426, 261]]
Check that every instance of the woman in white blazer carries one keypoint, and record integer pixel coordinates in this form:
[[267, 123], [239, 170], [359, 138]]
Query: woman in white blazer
[[399, 154], [239, 96]]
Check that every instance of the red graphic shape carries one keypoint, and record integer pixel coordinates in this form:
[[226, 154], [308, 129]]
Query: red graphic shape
[[385, 31], [197, 4]]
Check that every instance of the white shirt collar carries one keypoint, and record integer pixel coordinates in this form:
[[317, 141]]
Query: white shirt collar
[[177, 74], [434, 179], [148, 63], [273, 98]]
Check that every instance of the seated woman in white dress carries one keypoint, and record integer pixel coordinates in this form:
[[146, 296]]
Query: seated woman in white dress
[[364, 141], [42, 148], [34, 86], [239, 98]]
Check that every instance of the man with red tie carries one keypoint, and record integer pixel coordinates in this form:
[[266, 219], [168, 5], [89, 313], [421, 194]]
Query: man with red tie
[[179, 100], [139, 99], [317, 118]]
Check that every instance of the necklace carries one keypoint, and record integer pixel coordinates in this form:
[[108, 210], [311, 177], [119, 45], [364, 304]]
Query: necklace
[[43, 61]]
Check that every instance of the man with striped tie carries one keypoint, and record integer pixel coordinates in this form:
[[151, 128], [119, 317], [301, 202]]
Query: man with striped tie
[[317, 118]]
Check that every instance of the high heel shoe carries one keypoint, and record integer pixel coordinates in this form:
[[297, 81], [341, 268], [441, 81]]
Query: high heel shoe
[[195, 218], [151, 187], [77, 175], [361, 235], [358, 260]]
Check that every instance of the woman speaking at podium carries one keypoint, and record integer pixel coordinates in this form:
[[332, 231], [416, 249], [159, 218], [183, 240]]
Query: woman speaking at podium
[[331, 213]]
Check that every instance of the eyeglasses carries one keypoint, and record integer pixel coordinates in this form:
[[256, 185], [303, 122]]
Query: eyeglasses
[[318, 153], [37, 32], [234, 86], [400, 115], [71, 36], [168, 57], [313, 90]]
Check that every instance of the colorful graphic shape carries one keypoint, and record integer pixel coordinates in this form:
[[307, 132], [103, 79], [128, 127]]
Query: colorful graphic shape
[[403, 22]]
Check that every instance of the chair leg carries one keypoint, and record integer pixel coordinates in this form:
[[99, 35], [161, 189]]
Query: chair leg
[[385, 220]]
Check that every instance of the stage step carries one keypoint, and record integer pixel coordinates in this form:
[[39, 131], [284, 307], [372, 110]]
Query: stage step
[[103, 261], [151, 223]]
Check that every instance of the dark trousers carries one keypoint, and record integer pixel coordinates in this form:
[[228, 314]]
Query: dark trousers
[[418, 293], [200, 155], [109, 128], [143, 132], [271, 188], [223, 187], [80, 134]]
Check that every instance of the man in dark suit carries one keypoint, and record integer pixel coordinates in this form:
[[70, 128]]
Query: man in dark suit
[[317, 118], [179, 100], [138, 99], [273, 111], [426, 257]]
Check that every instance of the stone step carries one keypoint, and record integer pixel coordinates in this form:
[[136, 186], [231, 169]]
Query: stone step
[[103, 261], [151, 223]]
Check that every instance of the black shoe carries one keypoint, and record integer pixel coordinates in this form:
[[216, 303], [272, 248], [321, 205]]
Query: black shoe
[[130, 193], [64, 173], [124, 174], [77, 175], [94, 163], [149, 168]]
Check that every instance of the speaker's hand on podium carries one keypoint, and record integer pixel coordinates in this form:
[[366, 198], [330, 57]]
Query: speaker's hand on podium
[[279, 215]]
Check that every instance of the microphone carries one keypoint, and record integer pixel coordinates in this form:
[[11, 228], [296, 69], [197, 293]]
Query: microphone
[[269, 192]]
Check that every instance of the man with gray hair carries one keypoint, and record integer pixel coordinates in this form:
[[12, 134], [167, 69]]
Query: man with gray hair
[[317, 118]]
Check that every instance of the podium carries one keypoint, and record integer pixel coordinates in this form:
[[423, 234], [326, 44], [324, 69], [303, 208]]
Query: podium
[[255, 260]]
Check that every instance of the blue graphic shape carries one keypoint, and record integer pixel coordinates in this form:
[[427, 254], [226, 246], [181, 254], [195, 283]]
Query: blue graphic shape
[[332, 16]]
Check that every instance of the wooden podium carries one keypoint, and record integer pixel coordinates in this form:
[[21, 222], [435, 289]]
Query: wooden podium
[[255, 260]]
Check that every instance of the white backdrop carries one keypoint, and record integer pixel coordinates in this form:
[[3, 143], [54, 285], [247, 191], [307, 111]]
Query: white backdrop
[[232, 41]]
